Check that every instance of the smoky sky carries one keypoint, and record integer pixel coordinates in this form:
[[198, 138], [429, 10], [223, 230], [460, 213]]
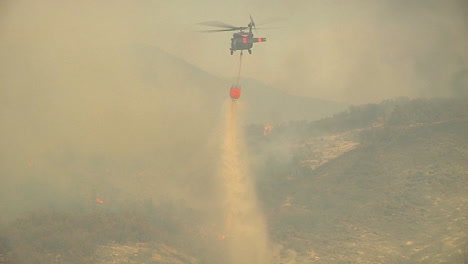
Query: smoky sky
[[353, 51]]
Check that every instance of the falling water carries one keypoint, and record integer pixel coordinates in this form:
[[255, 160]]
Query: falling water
[[246, 234]]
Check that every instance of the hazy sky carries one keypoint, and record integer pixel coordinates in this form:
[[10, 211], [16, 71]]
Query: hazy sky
[[355, 51]]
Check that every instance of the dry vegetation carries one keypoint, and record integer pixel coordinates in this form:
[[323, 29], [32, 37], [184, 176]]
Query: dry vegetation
[[382, 183], [390, 191]]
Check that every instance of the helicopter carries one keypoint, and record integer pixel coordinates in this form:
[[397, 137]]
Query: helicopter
[[242, 40]]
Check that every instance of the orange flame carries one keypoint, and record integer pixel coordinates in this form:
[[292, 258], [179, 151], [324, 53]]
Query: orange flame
[[267, 130], [99, 201]]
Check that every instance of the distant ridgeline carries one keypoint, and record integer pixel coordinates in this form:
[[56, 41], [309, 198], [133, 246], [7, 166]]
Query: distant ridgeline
[[395, 112]]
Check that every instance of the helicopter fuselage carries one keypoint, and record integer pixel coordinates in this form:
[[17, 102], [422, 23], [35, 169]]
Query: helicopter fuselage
[[244, 41]]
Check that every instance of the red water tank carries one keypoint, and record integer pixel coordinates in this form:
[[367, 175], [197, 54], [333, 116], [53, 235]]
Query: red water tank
[[235, 93]]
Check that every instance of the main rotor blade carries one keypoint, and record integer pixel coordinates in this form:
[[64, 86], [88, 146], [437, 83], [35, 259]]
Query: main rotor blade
[[219, 30], [217, 24]]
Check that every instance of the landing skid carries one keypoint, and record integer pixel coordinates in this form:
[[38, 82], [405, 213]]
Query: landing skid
[[232, 51]]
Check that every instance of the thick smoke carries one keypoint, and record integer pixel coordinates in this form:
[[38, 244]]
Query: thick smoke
[[366, 51], [91, 99], [88, 108]]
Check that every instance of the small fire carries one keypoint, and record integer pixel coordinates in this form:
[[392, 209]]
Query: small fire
[[267, 130], [223, 236], [99, 201]]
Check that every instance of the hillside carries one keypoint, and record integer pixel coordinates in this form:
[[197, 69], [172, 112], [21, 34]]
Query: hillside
[[265, 103], [380, 183]]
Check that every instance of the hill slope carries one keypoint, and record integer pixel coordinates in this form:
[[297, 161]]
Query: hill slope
[[265, 103], [383, 183], [393, 190]]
